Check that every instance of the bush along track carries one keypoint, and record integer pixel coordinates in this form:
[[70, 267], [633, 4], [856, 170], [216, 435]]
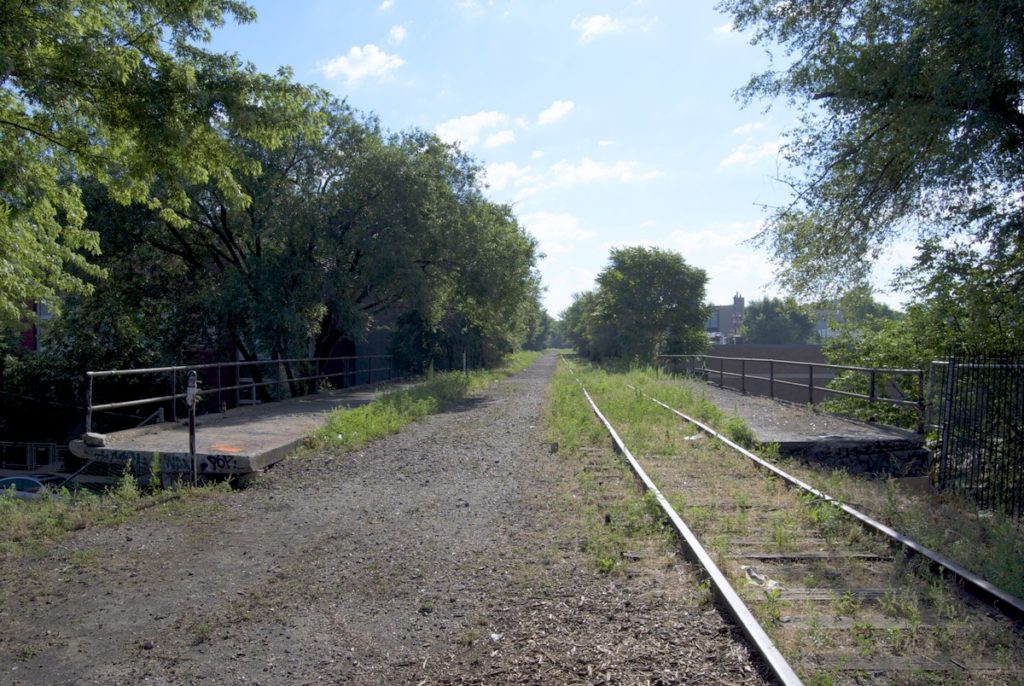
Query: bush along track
[[840, 604]]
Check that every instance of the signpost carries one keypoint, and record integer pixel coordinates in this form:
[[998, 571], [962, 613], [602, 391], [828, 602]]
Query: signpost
[[190, 400]]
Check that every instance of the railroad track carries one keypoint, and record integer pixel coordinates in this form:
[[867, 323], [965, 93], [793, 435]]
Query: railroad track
[[824, 593]]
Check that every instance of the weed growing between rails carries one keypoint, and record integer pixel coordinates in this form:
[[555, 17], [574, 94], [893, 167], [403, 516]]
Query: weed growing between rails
[[811, 574], [619, 528], [352, 428], [989, 544]]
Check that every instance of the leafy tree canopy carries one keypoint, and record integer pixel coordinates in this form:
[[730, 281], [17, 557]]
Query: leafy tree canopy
[[773, 320], [912, 125], [648, 301], [118, 91]]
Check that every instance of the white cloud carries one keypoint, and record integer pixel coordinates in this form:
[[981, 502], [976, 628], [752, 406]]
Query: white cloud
[[557, 232], [557, 110], [500, 175], [397, 35], [605, 143], [725, 28], [500, 138], [537, 154], [588, 171], [748, 154], [595, 26], [468, 129], [527, 183], [360, 63], [718, 235], [386, 5], [748, 128]]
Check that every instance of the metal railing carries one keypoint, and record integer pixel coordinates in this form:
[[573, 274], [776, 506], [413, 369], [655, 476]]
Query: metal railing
[[31, 455], [378, 368], [877, 378]]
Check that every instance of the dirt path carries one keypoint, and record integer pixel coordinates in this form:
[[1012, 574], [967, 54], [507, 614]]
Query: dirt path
[[433, 556]]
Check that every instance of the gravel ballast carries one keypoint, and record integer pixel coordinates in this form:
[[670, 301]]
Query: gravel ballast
[[438, 555]]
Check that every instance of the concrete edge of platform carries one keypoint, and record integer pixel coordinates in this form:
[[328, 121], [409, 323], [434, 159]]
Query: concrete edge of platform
[[215, 465]]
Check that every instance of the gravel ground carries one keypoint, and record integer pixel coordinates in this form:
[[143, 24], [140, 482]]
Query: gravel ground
[[776, 421], [438, 555]]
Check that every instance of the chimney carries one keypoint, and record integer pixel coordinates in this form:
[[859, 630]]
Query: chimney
[[737, 311]]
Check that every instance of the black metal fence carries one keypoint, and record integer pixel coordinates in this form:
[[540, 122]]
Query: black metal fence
[[980, 406], [804, 382]]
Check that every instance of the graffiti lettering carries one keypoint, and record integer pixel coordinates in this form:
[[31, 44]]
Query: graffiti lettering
[[221, 463]]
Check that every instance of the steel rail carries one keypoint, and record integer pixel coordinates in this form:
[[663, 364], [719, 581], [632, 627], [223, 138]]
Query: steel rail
[[734, 604], [1008, 604]]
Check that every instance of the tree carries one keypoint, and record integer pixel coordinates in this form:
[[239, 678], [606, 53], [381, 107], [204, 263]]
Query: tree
[[912, 126], [648, 301], [773, 320], [118, 91]]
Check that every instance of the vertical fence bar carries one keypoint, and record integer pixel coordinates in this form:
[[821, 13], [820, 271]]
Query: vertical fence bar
[[174, 392], [947, 425], [810, 384], [871, 387], [771, 378], [922, 407], [88, 402], [721, 372], [743, 377]]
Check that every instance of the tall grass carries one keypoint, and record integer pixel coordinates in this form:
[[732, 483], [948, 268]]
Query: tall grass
[[351, 428], [28, 526]]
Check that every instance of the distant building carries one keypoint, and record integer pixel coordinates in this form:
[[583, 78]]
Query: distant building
[[725, 321], [826, 322]]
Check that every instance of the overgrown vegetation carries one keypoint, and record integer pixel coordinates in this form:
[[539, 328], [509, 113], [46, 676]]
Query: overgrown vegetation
[[350, 428], [618, 525], [29, 526], [732, 506]]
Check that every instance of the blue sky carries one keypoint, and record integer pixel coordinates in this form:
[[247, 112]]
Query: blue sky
[[602, 123]]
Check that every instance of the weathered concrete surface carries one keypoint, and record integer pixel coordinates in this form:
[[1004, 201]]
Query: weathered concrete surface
[[242, 441], [859, 447]]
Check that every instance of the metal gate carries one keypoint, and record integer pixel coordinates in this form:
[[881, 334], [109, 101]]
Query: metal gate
[[981, 410]]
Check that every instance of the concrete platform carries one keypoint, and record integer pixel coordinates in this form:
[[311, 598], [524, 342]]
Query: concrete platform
[[817, 437], [241, 442]]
